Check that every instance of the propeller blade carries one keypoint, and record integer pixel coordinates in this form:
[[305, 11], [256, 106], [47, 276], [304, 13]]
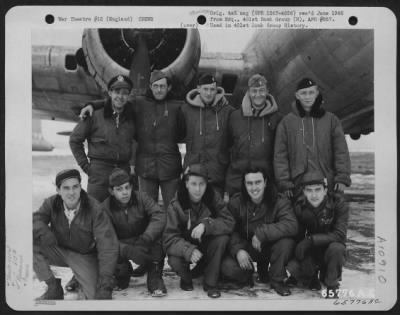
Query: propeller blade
[[140, 67]]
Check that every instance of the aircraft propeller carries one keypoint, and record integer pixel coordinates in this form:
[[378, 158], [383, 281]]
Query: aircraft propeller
[[139, 70]]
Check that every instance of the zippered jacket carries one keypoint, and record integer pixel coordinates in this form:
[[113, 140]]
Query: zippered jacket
[[322, 132], [207, 133], [252, 137], [144, 219], [181, 222], [270, 222], [326, 223], [90, 231], [109, 136], [160, 127]]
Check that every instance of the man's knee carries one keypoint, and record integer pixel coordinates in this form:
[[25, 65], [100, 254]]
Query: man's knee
[[220, 241], [335, 251], [177, 263], [232, 271], [156, 251], [283, 247]]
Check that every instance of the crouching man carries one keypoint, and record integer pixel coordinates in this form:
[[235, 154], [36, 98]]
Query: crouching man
[[265, 225], [197, 231], [70, 229], [138, 221], [323, 219]]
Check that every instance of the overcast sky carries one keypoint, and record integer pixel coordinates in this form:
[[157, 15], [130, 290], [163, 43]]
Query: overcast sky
[[234, 41]]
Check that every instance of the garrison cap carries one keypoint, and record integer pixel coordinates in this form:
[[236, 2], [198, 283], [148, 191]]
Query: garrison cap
[[257, 80], [67, 174], [118, 177], [158, 75], [196, 169], [206, 78], [314, 177], [305, 83], [120, 82]]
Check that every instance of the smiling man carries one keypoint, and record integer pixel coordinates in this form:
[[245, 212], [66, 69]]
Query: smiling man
[[264, 227], [110, 137], [70, 229], [310, 138], [252, 133]]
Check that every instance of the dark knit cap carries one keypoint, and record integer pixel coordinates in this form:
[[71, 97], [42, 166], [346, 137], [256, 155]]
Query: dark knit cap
[[314, 178], [120, 82], [67, 174], [118, 177], [257, 80], [196, 169], [158, 75], [206, 78], [305, 83]]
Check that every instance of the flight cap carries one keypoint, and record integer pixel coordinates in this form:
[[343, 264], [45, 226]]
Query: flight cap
[[118, 177], [257, 80], [305, 83], [120, 82], [196, 169], [206, 78], [67, 174]]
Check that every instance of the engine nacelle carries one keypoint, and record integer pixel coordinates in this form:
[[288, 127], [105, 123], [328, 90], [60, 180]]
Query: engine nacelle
[[109, 52]]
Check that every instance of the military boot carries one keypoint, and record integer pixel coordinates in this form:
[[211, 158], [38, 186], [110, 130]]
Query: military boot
[[72, 285], [155, 282], [54, 290]]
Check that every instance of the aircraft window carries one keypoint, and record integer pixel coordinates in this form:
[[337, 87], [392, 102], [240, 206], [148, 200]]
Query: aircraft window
[[229, 82], [70, 63]]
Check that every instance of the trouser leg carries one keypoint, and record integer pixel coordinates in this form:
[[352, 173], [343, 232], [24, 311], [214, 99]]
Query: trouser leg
[[281, 252], [168, 190], [43, 257], [309, 266], [333, 261], [98, 178], [181, 267], [99, 192], [155, 269], [214, 250], [84, 267], [231, 270], [233, 182], [261, 258], [149, 186], [138, 253]]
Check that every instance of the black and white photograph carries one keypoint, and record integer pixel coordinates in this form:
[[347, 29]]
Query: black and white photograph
[[238, 166]]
